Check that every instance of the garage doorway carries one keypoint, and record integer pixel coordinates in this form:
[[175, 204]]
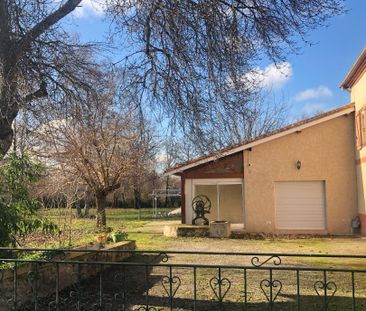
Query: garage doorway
[[300, 205]]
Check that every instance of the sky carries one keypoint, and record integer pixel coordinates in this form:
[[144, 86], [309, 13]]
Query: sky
[[308, 81]]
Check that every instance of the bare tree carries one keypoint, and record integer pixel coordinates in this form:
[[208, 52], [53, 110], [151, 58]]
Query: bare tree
[[189, 55], [37, 58], [97, 142], [146, 147], [216, 130], [64, 190], [219, 129], [194, 56], [170, 154]]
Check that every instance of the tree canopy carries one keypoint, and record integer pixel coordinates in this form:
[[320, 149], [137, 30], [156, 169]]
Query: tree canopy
[[190, 58], [194, 59]]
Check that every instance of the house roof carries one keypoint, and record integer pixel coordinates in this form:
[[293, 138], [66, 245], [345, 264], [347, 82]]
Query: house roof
[[289, 129], [355, 72]]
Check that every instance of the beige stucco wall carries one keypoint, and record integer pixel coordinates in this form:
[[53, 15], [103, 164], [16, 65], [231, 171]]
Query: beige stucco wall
[[358, 97], [326, 152]]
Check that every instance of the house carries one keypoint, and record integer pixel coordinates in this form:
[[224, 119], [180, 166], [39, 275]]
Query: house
[[308, 177], [355, 83]]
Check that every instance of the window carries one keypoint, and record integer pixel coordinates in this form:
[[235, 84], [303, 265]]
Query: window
[[358, 131], [361, 129]]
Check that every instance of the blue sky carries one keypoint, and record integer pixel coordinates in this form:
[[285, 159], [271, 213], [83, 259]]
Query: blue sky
[[309, 81]]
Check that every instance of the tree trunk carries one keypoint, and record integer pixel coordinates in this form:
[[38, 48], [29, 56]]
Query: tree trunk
[[6, 136], [9, 105], [166, 191], [101, 216], [86, 209], [137, 198], [115, 200], [79, 213]]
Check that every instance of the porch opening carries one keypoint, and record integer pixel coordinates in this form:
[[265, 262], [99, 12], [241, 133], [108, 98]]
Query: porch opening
[[226, 199]]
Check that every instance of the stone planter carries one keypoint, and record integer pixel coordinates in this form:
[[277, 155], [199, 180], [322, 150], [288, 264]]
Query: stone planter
[[220, 229], [67, 272]]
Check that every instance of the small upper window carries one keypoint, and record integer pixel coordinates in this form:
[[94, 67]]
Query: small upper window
[[358, 131], [361, 129]]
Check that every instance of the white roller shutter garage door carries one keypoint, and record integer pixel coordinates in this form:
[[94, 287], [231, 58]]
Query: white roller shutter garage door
[[300, 205]]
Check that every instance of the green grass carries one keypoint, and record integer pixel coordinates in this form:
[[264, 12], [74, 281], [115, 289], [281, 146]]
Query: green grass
[[82, 231], [77, 232]]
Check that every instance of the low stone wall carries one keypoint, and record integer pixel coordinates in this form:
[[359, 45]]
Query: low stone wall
[[186, 231], [41, 279]]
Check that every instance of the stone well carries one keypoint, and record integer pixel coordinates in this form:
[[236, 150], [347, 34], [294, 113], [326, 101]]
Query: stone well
[[220, 229]]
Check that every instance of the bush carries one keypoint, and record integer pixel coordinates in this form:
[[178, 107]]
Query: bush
[[18, 210]]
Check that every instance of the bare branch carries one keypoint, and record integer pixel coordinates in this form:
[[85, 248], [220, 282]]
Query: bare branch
[[45, 25]]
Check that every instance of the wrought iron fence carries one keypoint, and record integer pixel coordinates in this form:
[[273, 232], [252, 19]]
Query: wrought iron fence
[[176, 280]]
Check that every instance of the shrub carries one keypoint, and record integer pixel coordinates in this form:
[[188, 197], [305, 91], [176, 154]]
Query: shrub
[[18, 210]]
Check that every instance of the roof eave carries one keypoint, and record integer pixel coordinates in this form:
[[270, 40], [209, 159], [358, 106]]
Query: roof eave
[[349, 80]]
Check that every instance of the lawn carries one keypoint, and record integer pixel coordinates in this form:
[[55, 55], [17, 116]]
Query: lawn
[[146, 229], [75, 231]]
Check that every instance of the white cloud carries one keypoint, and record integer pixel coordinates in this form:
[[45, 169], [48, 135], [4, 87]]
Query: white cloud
[[89, 8], [274, 76], [313, 109], [314, 93]]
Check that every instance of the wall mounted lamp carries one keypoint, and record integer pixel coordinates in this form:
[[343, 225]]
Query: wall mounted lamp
[[298, 164]]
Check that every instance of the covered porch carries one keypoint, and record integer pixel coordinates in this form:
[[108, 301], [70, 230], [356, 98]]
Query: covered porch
[[222, 182], [225, 196]]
